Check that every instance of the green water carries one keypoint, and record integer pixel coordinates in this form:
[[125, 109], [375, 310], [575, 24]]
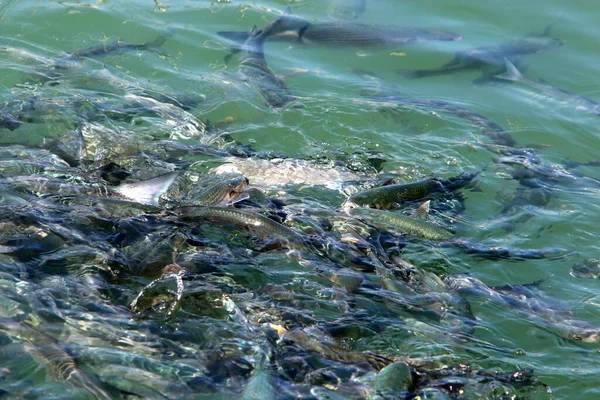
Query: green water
[[416, 145]]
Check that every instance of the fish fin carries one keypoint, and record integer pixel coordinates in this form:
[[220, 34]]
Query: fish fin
[[511, 73], [288, 11], [148, 191], [423, 211]]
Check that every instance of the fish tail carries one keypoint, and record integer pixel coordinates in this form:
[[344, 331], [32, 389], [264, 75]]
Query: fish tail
[[148, 191]]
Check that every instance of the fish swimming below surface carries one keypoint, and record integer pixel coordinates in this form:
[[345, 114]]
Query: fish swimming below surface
[[384, 197], [492, 57], [348, 34], [114, 47], [577, 102], [529, 302], [389, 93], [253, 66]]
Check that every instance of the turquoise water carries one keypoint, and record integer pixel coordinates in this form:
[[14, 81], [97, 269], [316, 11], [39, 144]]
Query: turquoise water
[[333, 116]]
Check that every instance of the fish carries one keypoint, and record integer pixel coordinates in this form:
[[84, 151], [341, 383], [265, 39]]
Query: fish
[[147, 192], [483, 250], [278, 172], [348, 34], [227, 190], [528, 302], [388, 93], [491, 57], [52, 354], [9, 122], [118, 46], [256, 224], [401, 224], [385, 197], [253, 66], [589, 268], [577, 102]]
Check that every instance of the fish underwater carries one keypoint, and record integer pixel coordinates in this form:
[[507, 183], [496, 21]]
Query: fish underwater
[[492, 57], [531, 303], [253, 66], [571, 100]]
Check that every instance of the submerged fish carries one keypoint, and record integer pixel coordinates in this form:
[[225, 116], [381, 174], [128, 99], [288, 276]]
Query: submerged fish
[[395, 95], [347, 34], [9, 122], [254, 66], [385, 197], [574, 100], [53, 355], [118, 46], [530, 304], [257, 224], [492, 56], [401, 224]]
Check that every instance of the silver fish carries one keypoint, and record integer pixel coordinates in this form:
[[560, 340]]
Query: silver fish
[[573, 100]]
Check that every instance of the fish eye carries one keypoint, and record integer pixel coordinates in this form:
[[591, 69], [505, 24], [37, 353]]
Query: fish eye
[[577, 337]]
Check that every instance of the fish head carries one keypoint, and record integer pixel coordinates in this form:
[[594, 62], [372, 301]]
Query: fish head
[[589, 268], [9, 122], [587, 336], [238, 189]]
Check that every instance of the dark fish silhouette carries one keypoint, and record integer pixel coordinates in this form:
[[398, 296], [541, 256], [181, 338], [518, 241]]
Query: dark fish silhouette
[[349, 34], [254, 66], [491, 57]]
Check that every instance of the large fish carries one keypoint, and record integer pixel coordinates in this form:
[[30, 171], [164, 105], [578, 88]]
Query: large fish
[[347, 34], [254, 66], [9, 122], [573, 100], [113, 47], [401, 224], [388, 93], [54, 356], [491, 57], [527, 301]]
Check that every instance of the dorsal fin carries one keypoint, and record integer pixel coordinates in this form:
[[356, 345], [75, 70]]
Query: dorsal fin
[[423, 211]]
